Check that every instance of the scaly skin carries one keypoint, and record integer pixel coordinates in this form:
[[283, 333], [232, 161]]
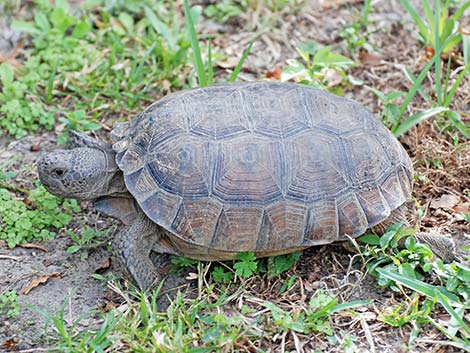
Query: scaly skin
[[132, 247]]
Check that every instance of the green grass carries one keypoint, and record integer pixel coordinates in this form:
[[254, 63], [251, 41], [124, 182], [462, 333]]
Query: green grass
[[35, 218], [87, 239], [320, 67], [90, 66], [197, 321], [9, 305], [196, 324]]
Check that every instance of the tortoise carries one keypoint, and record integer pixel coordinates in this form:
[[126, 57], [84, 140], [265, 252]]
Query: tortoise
[[265, 167]]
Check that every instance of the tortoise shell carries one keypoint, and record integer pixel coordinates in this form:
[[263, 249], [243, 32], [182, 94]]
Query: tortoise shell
[[262, 167]]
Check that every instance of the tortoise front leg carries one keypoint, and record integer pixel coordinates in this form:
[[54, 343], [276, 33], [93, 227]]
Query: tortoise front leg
[[132, 247]]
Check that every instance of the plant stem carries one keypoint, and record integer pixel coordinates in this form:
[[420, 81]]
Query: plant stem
[[13, 188]]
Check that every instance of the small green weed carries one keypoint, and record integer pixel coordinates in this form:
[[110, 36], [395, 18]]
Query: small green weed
[[282, 263], [9, 304], [88, 238], [6, 174], [246, 264], [220, 275], [444, 94], [76, 121], [390, 110], [392, 115], [89, 63], [180, 264], [356, 34], [20, 114], [32, 220], [315, 317], [414, 266], [412, 312], [320, 67], [223, 11]]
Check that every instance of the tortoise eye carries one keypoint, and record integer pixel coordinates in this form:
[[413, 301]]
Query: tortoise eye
[[59, 172]]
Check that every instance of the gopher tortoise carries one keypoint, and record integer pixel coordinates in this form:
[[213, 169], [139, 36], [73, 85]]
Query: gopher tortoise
[[265, 167]]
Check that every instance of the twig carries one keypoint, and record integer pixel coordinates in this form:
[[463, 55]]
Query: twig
[[10, 257], [365, 328]]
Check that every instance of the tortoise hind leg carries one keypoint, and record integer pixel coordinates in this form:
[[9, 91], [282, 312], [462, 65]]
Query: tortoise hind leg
[[441, 245], [132, 247]]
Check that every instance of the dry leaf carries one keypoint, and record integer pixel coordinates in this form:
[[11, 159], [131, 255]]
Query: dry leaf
[[275, 74], [332, 77], [10, 344], [463, 208], [230, 63], [35, 147], [107, 306], [371, 59], [445, 201], [104, 267], [37, 281]]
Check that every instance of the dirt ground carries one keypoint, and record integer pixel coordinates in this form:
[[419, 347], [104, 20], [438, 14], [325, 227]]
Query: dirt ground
[[396, 46]]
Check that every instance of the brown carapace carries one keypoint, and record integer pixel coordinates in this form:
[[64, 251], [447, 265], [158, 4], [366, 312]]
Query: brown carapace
[[264, 167]]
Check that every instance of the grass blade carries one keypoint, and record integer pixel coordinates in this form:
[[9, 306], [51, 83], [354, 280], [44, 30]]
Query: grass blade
[[466, 46], [411, 77], [446, 79], [416, 119], [237, 69], [444, 301], [418, 286], [429, 14], [349, 305], [50, 83], [159, 26], [456, 84], [210, 68], [457, 122], [456, 16], [195, 46], [437, 50], [135, 75], [414, 89], [365, 13], [422, 28]]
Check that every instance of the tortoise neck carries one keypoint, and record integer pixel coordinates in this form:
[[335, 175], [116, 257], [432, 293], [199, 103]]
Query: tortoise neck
[[114, 178]]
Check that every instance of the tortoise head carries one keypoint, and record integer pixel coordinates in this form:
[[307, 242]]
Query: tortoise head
[[84, 172]]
